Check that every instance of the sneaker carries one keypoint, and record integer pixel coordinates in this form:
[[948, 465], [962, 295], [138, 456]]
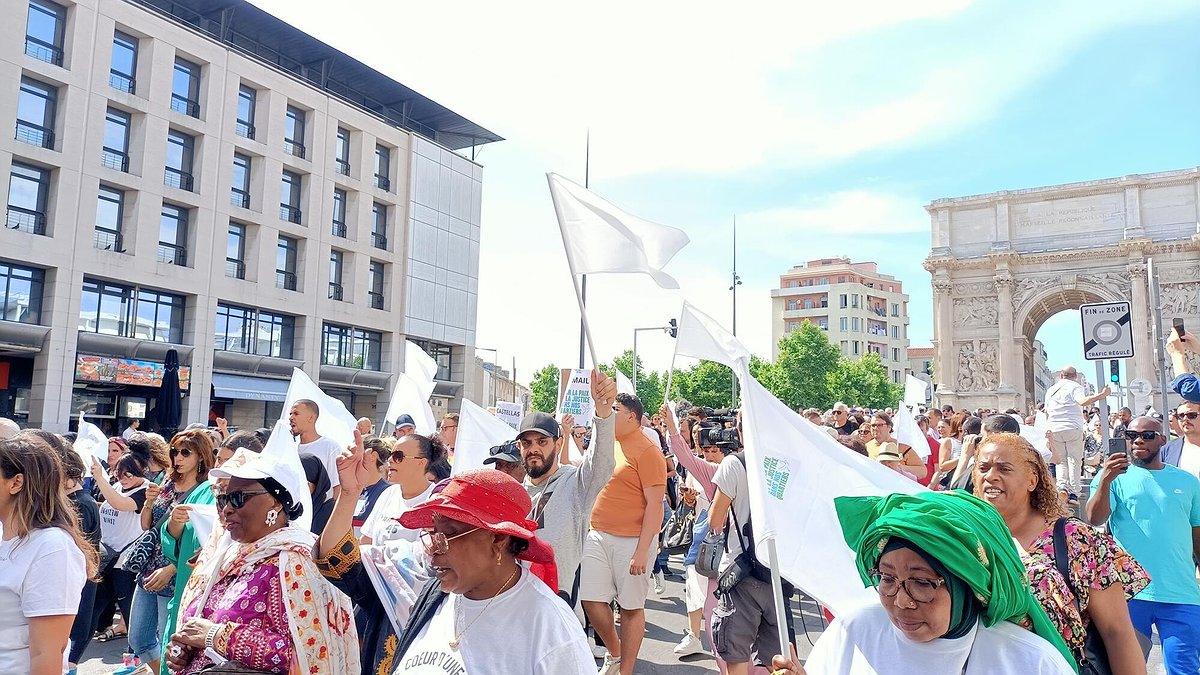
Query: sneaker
[[612, 666], [598, 651], [658, 583], [690, 644]]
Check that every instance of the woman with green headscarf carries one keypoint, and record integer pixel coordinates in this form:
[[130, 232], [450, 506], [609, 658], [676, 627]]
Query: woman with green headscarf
[[953, 595]]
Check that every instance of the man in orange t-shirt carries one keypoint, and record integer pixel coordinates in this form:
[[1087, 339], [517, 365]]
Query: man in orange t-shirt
[[619, 547]]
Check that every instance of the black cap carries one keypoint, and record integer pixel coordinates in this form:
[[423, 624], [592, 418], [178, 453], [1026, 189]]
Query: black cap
[[405, 421], [540, 422], [507, 452]]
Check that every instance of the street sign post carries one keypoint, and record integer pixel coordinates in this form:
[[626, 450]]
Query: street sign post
[[1107, 333]]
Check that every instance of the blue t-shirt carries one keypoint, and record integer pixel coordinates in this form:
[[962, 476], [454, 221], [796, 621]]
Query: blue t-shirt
[[1153, 513]]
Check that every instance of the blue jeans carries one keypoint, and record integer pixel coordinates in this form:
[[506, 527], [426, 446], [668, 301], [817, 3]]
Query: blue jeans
[[147, 622], [1179, 629]]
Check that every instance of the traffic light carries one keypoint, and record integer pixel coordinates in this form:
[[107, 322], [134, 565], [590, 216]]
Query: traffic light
[[1114, 371], [673, 328]]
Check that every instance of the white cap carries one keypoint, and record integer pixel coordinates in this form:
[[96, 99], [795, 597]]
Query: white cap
[[8, 429], [266, 465]]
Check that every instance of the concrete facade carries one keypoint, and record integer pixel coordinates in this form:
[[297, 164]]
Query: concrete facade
[[407, 244], [1003, 263]]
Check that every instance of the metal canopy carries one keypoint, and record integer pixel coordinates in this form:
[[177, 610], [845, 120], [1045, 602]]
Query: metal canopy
[[252, 31]]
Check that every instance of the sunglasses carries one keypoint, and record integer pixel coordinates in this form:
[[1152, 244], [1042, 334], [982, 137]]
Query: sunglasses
[[397, 456], [237, 499], [437, 543], [448, 426], [1144, 435], [1188, 415], [186, 452]]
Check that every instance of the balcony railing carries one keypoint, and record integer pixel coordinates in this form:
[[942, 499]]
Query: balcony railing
[[43, 52], [290, 213], [172, 254], [107, 240], [114, 159], [33, 222], [185, 105], [382, 182], [379, 240], [34, 134], [376, 299], [293, 148], [341, 166], [244, 129], [339, 229], [285, 280], [235, 269], [335, 291], [239, 198], [178, 179], [121, 82]]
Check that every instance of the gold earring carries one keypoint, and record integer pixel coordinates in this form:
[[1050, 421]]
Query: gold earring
[[497, 560]]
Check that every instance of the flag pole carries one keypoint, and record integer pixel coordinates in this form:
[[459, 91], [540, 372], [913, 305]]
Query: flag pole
[[670, 372], [587, 162], [781, 622], [587, 329]]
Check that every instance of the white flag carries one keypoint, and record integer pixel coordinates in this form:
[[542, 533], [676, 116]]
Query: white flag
[[203, 518], [286, 450], [907, 431], [916, 390], [625, 385], [478, 432], [600, 237], [795, 471], [412, 391], [90, 442], [334, 421]]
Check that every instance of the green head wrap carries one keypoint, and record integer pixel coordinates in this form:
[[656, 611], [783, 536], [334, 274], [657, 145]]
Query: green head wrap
[[968, 538]]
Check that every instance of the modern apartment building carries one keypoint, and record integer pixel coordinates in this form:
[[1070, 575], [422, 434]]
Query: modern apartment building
[[199, 175], [920, 363], [862, 310]]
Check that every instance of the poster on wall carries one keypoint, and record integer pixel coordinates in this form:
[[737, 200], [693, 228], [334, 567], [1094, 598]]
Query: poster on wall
[[112, 370]]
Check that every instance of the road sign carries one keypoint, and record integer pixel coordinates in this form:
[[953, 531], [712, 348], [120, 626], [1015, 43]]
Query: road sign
[[1106, 331], [1140, 388]]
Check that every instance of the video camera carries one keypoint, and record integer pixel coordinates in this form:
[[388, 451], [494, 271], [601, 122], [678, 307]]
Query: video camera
[[725, 439]]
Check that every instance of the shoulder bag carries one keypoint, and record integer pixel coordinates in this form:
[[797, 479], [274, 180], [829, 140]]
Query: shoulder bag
[[144, 549], [677, 533]]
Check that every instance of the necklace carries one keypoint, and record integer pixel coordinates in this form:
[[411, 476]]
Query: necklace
[[458, 638]]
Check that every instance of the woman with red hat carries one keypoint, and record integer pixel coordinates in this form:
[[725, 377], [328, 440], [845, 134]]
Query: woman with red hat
[[481, 545]]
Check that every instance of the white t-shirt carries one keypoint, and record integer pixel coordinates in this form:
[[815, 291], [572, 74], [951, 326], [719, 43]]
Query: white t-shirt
[[526, 629], [731, 479], [327, 450], [381, 526], [1189, 458], [1064, 406], [866, 643], [118, 529], [27, 590]]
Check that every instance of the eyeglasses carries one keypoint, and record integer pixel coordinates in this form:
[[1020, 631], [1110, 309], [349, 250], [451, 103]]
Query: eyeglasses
[[579, 434], [1144, 435], [237, 499], [447, 426], [397, 456], [1188, 415], [917, 588], [879, 424], [437, 543], [186, 452]]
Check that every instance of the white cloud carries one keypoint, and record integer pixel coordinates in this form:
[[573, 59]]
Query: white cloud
[[850, 212]]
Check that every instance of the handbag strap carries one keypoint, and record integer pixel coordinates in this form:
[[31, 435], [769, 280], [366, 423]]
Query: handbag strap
[[1060, 558], [733, 512]]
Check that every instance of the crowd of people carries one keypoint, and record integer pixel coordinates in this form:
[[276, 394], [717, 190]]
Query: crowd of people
[[211, 552]]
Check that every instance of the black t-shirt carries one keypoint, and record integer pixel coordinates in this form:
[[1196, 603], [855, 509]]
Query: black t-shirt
[[367, 499], [89, 515], [848, 428]]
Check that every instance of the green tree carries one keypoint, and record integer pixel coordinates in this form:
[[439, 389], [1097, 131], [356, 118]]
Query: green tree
[[706, 383], [649, 384], [802, 375], [865, 382], [544, 389]]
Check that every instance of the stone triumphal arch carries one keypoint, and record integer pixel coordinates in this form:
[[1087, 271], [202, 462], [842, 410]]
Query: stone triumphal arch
[[1003, 263]]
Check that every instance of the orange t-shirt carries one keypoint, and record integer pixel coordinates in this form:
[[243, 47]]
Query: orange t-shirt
[[621, 504]]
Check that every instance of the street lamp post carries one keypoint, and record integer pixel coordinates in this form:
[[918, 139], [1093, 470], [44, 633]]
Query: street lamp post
[[492, 379], [668, 329]]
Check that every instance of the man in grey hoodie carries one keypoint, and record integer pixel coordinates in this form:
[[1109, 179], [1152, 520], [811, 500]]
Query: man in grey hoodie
[[563, 494]]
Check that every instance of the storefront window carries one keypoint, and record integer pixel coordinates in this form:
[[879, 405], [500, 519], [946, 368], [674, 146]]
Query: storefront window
[[442, 354], [20, 293], [252, 331], [131, 312], [351, 347]]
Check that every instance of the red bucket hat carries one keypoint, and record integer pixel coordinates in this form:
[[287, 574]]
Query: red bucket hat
[[488, 499]]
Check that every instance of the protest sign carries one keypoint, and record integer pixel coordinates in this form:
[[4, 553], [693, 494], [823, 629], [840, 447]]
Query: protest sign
[[575, 396], [477, 433], [510, 412]]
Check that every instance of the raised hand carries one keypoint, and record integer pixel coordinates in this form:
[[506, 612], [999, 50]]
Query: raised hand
[[604, 393], [353, 472]]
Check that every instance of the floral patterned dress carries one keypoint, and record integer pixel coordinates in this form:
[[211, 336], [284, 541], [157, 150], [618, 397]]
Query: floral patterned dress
[[253, 602], [1096, 562]]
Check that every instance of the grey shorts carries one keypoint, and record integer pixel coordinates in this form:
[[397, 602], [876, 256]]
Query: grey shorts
[[744, 625]]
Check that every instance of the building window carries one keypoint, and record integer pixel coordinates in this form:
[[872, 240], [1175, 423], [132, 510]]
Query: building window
[[823, 281], [351, 347], [131, 312], [110, 216], [855, 324], [21, 293], [791, 305], [844, 324], [336, 263], [896, 376], [856, 347], [47, 22], [376, 278], [808, 303], [845, 347], [841, 280], [824, 302], [239, 194], [247, 100], [28, 194], [123, 71], [181, 149], [235, 251], [927, 368], [895, 309], [383, 168], [843, 301], [115, 153], [442, 354], [896, 332], [293, 132], [379, 226], [341, 152], [289, 197], [286, 255], [185, 88], [854, 300], [823, 323], [173, 235], [36, 110], [339, 213], [253, 331]]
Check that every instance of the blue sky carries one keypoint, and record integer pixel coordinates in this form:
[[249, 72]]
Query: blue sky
[[824, 130]]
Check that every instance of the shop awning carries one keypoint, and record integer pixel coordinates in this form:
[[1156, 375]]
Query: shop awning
[[245, 388]]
